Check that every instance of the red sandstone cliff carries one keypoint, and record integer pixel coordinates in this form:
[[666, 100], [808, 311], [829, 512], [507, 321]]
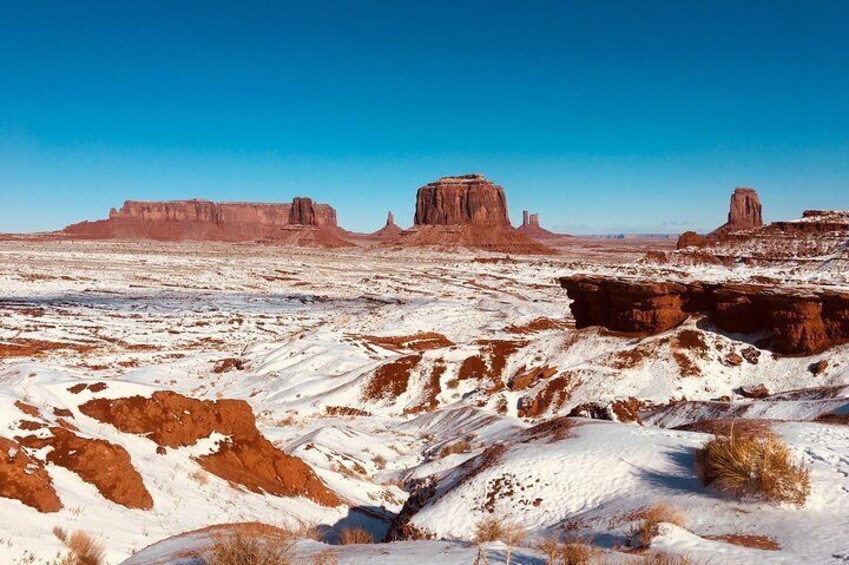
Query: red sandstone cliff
[[466, 211], [301, 222], [795, 321], [745, 211]]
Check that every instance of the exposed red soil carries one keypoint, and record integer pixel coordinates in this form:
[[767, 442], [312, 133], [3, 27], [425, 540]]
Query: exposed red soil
[[31, 426], [247, 458], [555, 393], [422, 341], [524, 379], [686, 366], [537, 325], [28, 409], [431, 391], [25, 479], [105, 465], [550, 430], [391, 380], [748, 540], [37, 347], [491, 361], [226, 365]]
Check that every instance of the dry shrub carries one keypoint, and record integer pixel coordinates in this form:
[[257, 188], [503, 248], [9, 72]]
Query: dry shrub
[[660, 558], [240, 549], [652, 517], [82, 548], [326, 557], [488, 529], [459, 446], [354, 536], [753, 466], [379, 462], [572, 551], [200, 477]]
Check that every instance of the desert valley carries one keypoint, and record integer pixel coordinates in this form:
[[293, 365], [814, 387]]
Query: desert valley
[[184, 373]]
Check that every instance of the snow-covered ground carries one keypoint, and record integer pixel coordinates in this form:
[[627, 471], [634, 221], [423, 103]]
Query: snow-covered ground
[[335, 377]]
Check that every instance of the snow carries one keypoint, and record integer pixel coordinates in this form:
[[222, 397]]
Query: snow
[[158, 316]]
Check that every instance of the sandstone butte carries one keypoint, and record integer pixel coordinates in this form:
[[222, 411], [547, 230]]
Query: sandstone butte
[[795, 321], [530, 227], [745, 213], [303, 222], [466, 211]]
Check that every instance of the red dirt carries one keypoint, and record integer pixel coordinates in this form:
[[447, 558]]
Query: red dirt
[[523, 379], [417, 342], [432, 389], [490, 363], [537, 325], [25, 479], [105, 465], [247, 458], [391, 379], [28, 409], [554, 394], [36, 348], [226, 365], [748, 540]]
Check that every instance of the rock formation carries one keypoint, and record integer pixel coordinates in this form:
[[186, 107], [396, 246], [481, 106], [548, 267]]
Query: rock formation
[[817, 238], [795, 321], [389, 231], [246, 458], [530, 227], [301, 222], [745, 212], [466, 211]]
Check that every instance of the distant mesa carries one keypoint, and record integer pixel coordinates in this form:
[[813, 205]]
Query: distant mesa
[[302, 222], [466, 211]]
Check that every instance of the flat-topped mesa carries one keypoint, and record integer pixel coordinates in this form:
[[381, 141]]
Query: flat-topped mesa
[[202, 220], [746, 211], [465, 211], [461, 200], [794, 321]]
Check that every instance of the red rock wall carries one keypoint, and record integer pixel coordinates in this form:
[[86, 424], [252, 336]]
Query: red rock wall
[[798, 322], [463, 200]]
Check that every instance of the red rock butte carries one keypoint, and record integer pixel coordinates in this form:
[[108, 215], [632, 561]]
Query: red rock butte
[[466, 211], [301, 222], [745, 211]]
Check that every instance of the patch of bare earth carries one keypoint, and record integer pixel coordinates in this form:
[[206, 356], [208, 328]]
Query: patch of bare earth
[[391, 380], [748, 540]]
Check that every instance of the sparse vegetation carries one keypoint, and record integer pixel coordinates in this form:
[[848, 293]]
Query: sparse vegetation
[[82, 548], [753, 466], [488, 529], [571, 551], [495, 529], [652, 517], [459, 446], [379, 462], [354, 536], [241, 549]]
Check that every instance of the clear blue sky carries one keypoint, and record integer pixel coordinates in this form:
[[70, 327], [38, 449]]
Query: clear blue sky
[[603, 116]]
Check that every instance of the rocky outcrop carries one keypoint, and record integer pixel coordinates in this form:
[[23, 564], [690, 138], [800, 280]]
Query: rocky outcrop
[[745, 212], [690, 239], [819, 237], [794, 321], [202, 220], [24, 478], [466, 211], [98, 462], [246, 458]]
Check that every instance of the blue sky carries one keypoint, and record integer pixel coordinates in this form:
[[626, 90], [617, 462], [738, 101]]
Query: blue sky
[[603, 116]]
